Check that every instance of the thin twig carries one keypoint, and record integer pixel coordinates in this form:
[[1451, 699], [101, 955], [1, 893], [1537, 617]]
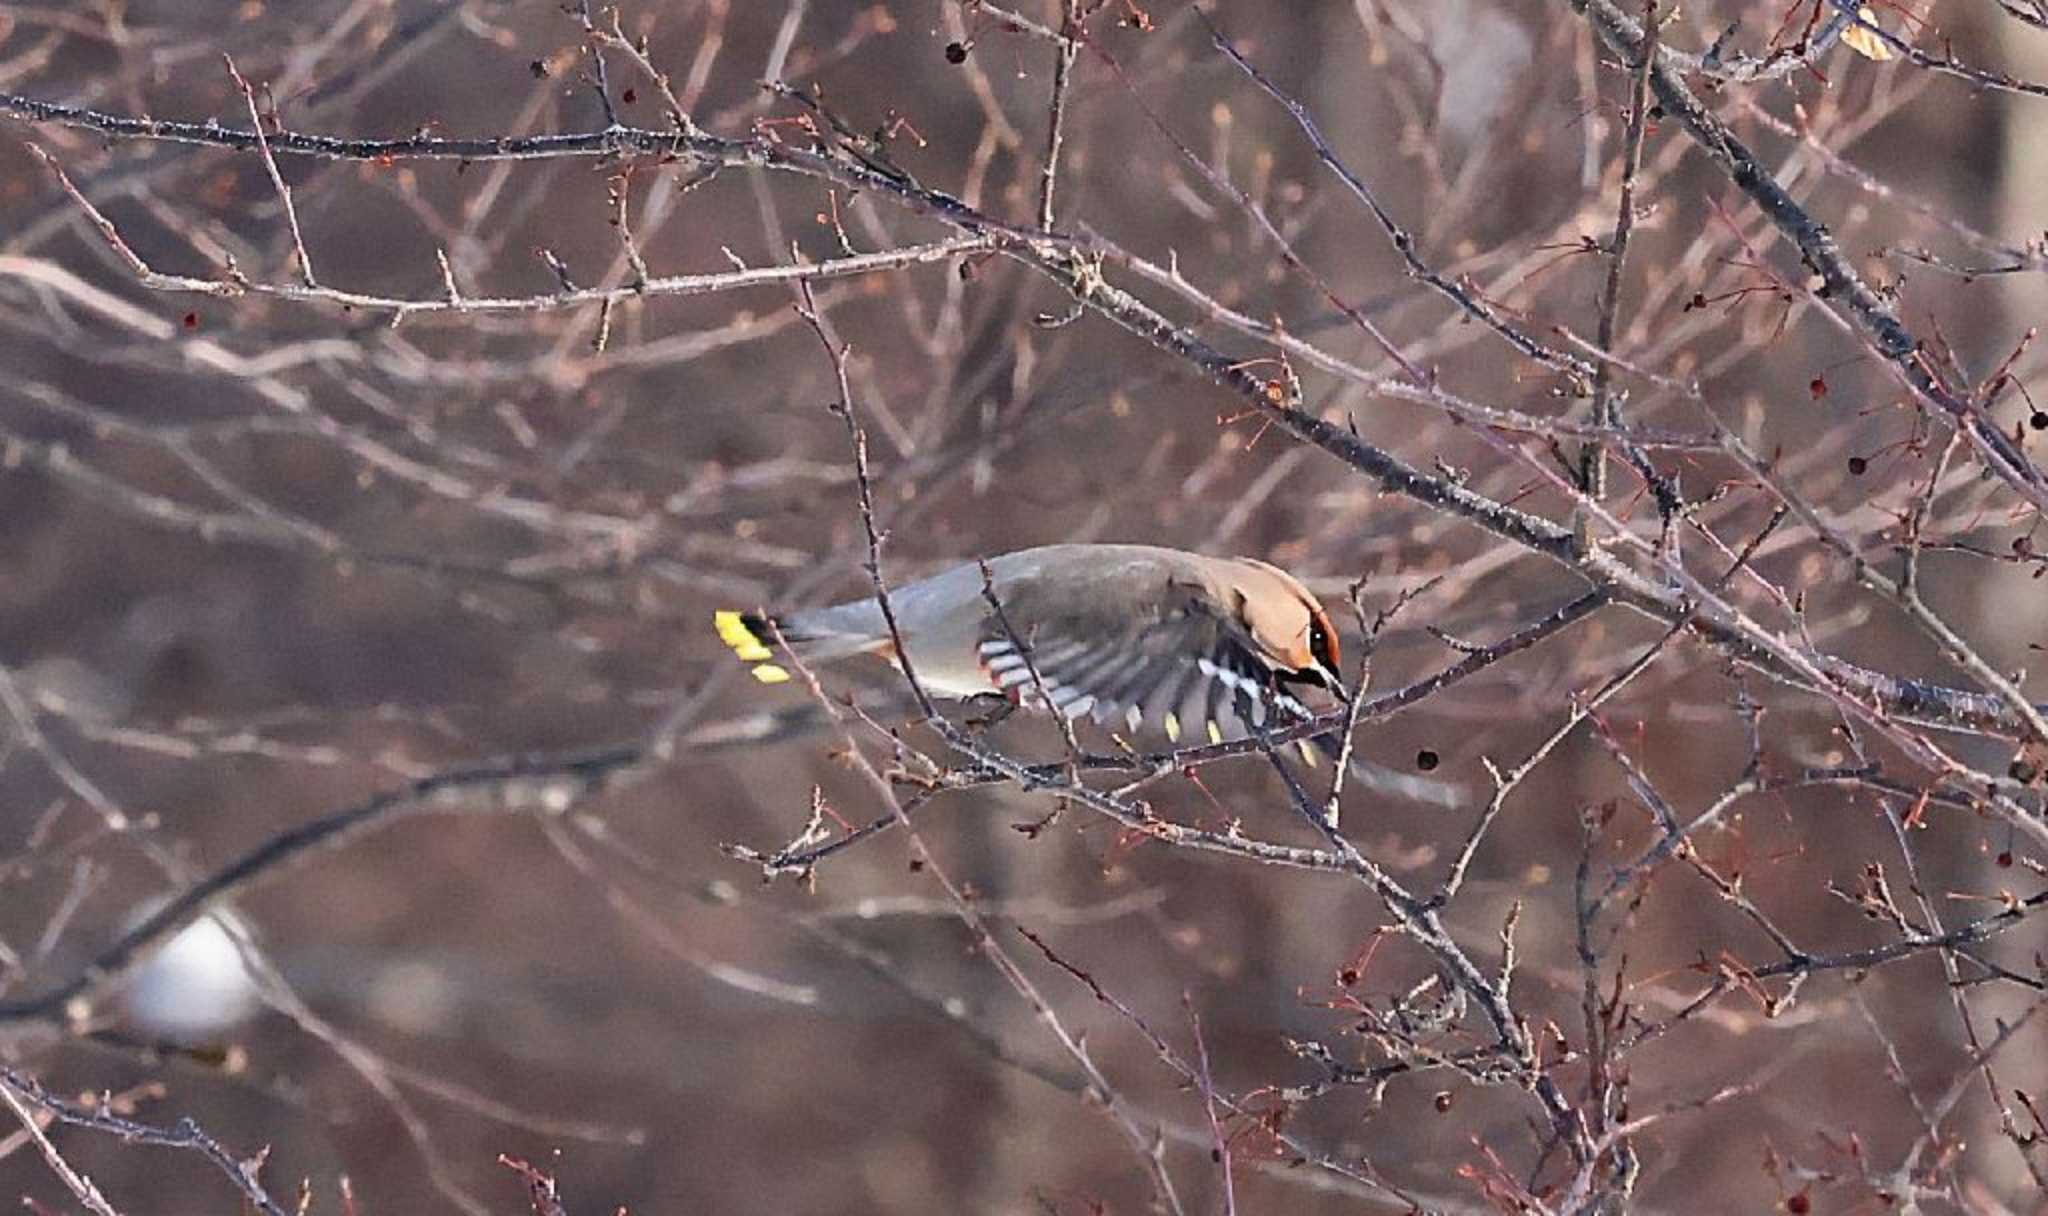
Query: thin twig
[[277, 182], [1064, 55], [1606, 401]]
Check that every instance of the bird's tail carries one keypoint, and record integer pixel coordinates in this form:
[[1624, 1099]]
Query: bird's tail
[[747, 633], [814, 637]]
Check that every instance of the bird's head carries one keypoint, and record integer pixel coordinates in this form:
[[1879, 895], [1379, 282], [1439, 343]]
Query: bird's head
[[1288, 626]]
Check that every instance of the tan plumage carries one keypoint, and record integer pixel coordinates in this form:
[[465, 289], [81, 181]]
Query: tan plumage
[[1130, 635]]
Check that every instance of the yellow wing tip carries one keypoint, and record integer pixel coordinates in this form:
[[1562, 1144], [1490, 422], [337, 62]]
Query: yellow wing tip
[[1865, 41], [769, 673], [733, 631]]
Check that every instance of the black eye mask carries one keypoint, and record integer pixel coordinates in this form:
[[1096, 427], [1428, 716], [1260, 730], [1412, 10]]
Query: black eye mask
[[1320, 647]]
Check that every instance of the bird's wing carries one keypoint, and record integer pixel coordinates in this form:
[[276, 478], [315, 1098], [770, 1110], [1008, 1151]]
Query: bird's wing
[[1185, 670]]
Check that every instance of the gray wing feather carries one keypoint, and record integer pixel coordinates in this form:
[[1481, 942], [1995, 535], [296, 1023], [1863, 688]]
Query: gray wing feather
[[1187, 663]]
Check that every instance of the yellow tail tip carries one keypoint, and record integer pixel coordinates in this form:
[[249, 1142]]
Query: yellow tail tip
[[769, 673], [733, 631]]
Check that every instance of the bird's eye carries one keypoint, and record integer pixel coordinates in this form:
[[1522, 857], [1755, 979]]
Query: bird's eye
[[1319, 647]]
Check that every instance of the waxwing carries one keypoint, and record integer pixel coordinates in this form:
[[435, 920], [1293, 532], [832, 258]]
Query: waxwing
[[1129, 635]]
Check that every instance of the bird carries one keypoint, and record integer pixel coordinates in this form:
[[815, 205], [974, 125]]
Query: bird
[[1130, 636]]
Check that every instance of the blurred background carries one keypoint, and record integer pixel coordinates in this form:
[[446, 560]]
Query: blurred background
[[264, 559]]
